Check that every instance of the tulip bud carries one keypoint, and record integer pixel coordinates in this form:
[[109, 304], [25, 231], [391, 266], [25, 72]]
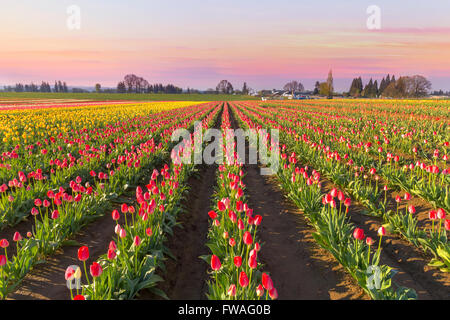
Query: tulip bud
[[381, 231]]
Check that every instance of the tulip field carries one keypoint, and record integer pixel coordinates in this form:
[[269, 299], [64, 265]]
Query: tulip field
[[96, 204]]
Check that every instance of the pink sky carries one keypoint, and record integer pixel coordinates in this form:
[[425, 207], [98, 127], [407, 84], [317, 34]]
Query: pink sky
[[201, 53]]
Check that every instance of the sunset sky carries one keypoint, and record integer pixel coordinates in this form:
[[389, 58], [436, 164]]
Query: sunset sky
[[198, 43]]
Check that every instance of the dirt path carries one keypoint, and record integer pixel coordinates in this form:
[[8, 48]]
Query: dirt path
[[299, 267]]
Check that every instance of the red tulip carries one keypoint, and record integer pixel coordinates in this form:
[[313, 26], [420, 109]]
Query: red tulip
[[381, 231], [4, 243], [112, 245], [34, 211], [358, 234], [124, 208], [243, 279], [115, 215], [441, 213], [267, 282], [111, 254], [215, 263], [407, 196], [148, 231], [79, 297], [232, 242], [83, 253], [2, 260], [369, 241], [347, 202], [252, 263], [237, 261], [69, 273], [136, 241], [411, 209], [221, 206], [212, 214], [17, 236], [247, 238], [96, 270], [260, 291], [55, 214], [447, 224], [239, 206], [232, 290], [232, 216], [273, 294]]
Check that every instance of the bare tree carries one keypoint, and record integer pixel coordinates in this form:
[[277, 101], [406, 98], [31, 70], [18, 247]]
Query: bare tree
[[294, 86], [224, 87], [417, 86]]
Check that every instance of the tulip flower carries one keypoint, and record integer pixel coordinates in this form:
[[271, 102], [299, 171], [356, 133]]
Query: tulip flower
[[237, 261], [411, 209], [243, 279], [259, 291], [115, 215], [358, 234], [79, 297], [96, 270], [247, 238], [136, 241], [83, 253], [273, 294], [441, 213], [215, 263], [232, 242], [221, 206], [69, 273], [148, 232], [232, 290], [3, 260], [212, 214], [252, 263], [111, 254], [447, 224], [17, 236], [55, 214], [267, 282]]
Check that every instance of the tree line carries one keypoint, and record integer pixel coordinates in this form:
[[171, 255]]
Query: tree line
[[135, 84], [43, 87], [404, 87]]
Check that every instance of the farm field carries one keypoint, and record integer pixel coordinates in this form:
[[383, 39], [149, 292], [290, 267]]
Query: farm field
[[21, 97], [99, 202]]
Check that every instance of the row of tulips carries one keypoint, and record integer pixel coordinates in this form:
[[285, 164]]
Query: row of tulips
[[403, 132], [65, 212], [104, 151], [365, 188], [232, 237], [328, 214], [427, 178], [138, 250]]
